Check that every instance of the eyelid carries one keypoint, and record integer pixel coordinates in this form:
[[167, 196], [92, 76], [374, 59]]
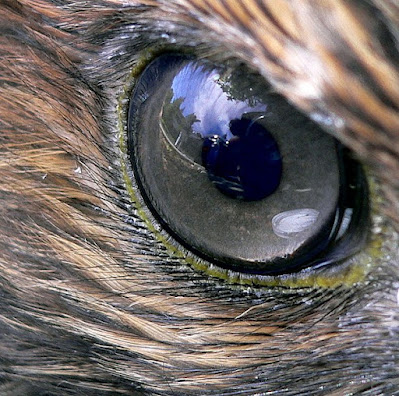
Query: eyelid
[[351, 271]]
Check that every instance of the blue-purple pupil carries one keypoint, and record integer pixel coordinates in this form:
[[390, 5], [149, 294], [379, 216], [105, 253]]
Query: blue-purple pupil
[[248, 166], [241, 157]]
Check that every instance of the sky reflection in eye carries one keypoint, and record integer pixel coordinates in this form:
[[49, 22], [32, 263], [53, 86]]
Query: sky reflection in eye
[[204, 97]]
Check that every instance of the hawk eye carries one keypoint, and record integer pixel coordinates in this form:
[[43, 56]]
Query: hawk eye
[[237, 175]]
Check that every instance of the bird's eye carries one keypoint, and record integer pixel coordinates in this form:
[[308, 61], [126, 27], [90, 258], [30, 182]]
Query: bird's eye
[[237, 175]]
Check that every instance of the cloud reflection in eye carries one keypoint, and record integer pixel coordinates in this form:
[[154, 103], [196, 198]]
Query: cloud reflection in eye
[[204, 97]]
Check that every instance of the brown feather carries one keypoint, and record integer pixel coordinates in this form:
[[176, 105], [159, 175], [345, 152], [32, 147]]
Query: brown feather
[[91, 301]]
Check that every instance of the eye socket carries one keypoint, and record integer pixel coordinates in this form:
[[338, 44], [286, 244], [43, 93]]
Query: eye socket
[[237, 175]]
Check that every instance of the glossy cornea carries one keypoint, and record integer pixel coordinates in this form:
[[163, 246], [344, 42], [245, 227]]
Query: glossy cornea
[[236, 174]]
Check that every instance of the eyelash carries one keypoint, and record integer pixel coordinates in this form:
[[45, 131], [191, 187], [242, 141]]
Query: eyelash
[[351, 271]]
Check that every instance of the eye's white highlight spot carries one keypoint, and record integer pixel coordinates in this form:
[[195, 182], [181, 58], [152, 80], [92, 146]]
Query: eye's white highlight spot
[[288, 224], [346, 220]]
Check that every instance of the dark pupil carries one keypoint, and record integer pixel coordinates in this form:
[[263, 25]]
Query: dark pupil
[[248, 165]]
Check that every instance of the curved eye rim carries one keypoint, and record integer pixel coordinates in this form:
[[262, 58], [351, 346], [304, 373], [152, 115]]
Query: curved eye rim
[[274, 267], [345, 273]]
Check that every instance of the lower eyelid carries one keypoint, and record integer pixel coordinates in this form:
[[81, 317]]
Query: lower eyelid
[[347, 273]]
